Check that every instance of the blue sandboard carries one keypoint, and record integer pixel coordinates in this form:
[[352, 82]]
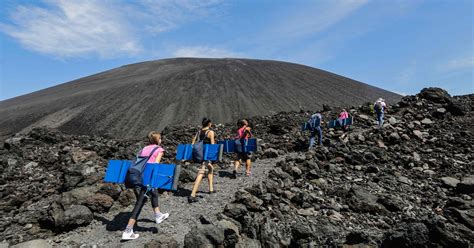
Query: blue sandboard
[[165, 176], [250, 145], [116, 171], [184, 152], [345, 122], [213, 152], [228, 145]]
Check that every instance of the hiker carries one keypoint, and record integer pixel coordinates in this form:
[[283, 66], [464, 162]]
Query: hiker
[[155, 152], [379, 108], [315, 128], [244, 132], [343, 115], [206, 136]]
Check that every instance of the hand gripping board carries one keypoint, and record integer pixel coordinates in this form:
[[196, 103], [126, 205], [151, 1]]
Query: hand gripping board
[[184, 152], [116, 171]]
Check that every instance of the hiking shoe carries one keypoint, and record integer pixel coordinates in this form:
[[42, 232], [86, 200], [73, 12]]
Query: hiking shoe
[[129, 235], [162, 218], [192, 199], [234, 175]]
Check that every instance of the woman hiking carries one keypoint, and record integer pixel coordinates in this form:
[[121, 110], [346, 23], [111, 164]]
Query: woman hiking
[[206, 136], [155, 153], [244, 132]]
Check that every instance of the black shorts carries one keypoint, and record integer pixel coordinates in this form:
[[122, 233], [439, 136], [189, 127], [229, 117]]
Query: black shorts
[[244, 156]]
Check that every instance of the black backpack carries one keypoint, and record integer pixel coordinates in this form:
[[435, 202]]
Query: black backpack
[[134, 177], [198, 147]]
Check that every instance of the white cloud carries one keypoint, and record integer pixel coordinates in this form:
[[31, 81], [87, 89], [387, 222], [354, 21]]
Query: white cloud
[[71, 28], [66, 29], [315, 19], [204, 52], [460, 63]]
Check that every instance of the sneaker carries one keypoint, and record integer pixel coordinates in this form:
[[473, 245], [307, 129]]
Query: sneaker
[[234, 174], [129, 235], [192, 199], [212, 192], [162, 218]]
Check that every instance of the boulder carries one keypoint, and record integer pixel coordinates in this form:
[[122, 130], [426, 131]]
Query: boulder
[[251, 202], [162, 241], [71, 218], [204, 236], [436, 95], [99, 203], [407, 235], [363, 201], [270, 153], [449, 182]]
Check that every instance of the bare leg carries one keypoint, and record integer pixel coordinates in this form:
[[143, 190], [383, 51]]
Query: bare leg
[[210, 176], [248, 167], [237, 164], [198, 181]]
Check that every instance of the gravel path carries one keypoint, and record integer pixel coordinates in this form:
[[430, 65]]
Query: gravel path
[[106, 229]]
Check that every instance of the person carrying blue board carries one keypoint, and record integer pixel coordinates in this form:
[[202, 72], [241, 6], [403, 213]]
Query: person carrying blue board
[[204, 136], [244, 132], [315, 128], [154, 152]]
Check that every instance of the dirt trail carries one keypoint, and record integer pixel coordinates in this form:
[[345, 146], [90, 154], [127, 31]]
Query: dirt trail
[[106, 229]]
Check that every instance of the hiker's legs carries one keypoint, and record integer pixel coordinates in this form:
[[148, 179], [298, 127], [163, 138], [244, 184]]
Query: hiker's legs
[[210, 176], [320, 135], [312, 139], [138, 207], [380, 119], [248, 166], [154, 200], [198, 181], [237, 163]]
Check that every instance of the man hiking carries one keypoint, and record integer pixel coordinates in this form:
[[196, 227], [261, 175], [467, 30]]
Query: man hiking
[[315, 128], [379, 108]]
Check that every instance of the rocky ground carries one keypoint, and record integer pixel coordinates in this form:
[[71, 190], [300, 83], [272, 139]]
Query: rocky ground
[[409, 184]]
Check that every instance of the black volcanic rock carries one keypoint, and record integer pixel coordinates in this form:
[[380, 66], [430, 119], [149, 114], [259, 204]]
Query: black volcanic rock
[[131, 100]]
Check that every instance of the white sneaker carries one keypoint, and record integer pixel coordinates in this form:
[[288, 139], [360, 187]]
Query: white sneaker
[[129, 236], [162, 218]]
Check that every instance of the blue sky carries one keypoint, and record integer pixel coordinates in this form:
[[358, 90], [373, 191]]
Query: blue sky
[[401, 46]]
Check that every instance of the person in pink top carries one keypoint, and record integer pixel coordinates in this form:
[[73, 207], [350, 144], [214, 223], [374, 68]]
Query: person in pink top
[[141, 192], [343, 115], [244, 132]]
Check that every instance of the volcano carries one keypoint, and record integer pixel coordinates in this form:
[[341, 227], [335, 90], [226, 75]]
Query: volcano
[[133, 99]]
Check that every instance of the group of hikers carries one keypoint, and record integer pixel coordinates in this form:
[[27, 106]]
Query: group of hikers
[[154, 151], [314, 122]]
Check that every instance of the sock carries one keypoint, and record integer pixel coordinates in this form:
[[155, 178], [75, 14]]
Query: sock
[[129, 229]]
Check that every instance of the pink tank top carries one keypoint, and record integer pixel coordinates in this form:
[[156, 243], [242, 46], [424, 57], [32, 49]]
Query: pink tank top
[[240, 133], [147, 150]]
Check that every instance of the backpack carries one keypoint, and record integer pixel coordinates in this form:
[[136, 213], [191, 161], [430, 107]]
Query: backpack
[[314, 121], [198, 147], [378, 107], [134, 177]]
